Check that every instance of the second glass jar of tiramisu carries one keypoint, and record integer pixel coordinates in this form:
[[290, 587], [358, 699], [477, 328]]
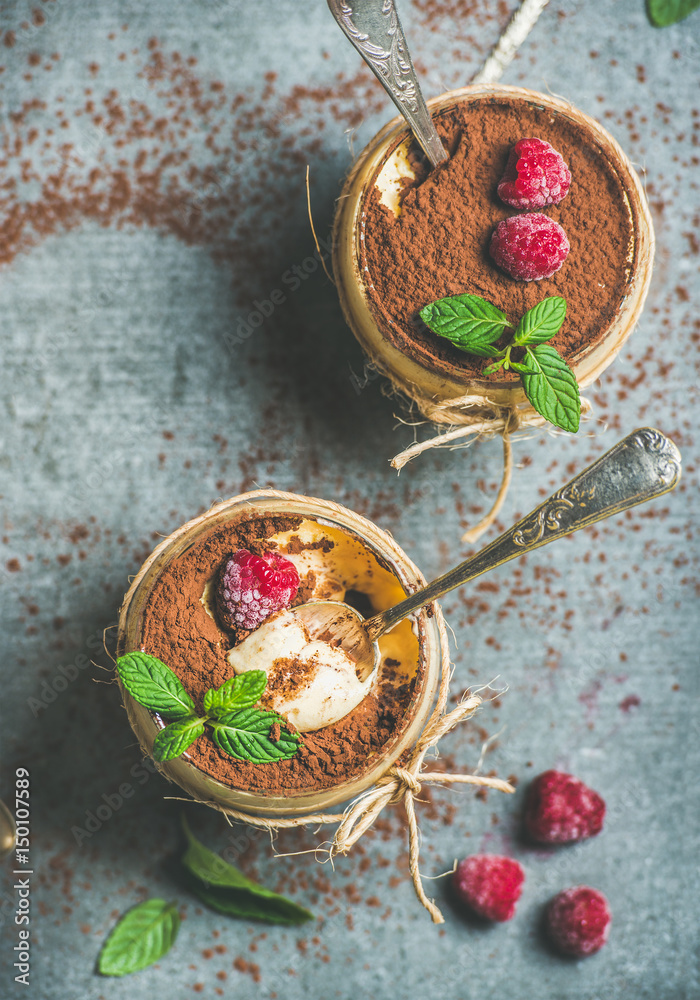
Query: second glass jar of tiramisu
[[170, 613]]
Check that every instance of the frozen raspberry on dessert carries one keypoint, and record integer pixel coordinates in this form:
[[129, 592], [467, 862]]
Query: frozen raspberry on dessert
[[535, 176], [489, 884], [529, 247], [251, 588], [578, 921], [560, 809]]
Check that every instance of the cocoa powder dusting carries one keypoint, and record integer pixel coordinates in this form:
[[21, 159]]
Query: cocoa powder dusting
[[438, 245], [177, 629], [173, 153], [285, 675]]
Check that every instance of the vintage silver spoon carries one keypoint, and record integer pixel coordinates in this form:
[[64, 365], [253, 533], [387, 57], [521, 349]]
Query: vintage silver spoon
[[8, 831], [374, 29], [642, 466]]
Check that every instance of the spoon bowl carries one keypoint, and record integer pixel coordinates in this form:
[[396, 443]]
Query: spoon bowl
[[340, 625], [641, 467]]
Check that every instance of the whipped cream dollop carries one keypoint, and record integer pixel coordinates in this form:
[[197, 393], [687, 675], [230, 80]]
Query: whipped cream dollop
[[309, 682]]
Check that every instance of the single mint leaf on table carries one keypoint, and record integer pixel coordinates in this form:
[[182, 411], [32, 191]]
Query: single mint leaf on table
[[551, 386], [177, 737], [245, 905], [541, 322], [227, 890], [141, 937], [245, 735], [239, 691], [665, 12], [471, 323], [154, 685]]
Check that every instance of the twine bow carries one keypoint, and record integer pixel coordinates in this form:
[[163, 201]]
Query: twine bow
[[403, 784]]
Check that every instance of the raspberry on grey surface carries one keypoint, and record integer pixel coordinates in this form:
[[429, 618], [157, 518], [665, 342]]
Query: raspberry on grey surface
[[578, 921], [489, 884], [561, 809]]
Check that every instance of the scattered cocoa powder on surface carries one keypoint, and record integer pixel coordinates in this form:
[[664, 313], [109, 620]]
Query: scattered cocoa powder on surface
[[631, 701], [438, 245], [173, 153], [249, 968], [177, 629]]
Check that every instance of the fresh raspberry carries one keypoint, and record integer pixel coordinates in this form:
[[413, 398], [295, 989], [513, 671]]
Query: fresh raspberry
[[535, 176], [489, 884], [578, 921], [529, 247], [252, 587], [560, 809]]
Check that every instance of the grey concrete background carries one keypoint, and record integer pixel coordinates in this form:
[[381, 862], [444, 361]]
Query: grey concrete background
[[129, 405]]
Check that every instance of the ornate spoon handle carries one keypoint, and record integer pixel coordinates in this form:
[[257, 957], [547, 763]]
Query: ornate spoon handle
[[644, 465], [374, 29]]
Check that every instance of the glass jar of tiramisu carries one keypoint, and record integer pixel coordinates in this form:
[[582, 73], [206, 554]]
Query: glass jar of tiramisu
[[170, 613], [406, 236]]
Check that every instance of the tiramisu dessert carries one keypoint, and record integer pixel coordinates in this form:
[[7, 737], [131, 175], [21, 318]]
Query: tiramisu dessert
[[536, 202], [266, 717]]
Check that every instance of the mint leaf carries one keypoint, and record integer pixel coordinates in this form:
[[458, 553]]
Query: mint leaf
[[245, 735], [248, 906], [177, 737], [141, 937], [211, 869], [236, 693], [541, 322], [665, 12], [227, 890], [471, 323], [154, 685], [551, 387], [492, 369]]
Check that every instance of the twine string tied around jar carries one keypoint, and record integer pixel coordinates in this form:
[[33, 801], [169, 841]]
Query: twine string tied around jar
[[479, 416]]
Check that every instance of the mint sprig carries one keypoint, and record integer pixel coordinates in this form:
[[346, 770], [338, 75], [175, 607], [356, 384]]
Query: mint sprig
[[665, 12], [238, 727], [227, 890], [141, 937], [474, 325], [148, 931]]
